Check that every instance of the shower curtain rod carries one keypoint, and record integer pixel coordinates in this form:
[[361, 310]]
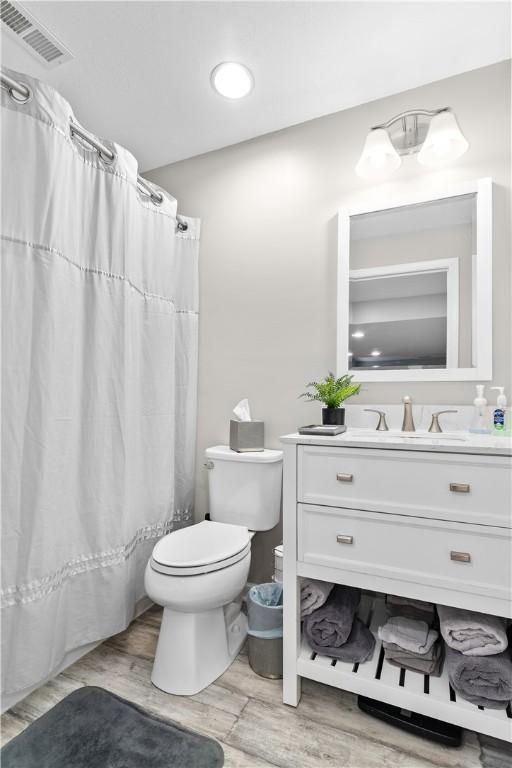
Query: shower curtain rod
[[25, 94]]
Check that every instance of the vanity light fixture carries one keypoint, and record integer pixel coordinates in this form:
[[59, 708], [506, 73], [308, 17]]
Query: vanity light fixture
[[434, 134], [357, 334], [232, 80]]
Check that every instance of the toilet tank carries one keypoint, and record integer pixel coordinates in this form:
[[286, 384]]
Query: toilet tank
[[245, 488]]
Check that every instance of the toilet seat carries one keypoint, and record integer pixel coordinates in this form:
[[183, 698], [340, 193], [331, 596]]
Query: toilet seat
[[201, 548]]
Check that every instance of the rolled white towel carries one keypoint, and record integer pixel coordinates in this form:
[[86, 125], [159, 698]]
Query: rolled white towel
[[472, 633], [313, 595]]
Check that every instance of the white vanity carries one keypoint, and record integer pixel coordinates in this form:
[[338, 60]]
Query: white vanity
[[423, 516]]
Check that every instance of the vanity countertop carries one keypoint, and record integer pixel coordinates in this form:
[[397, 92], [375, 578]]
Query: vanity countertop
[[445, 442]]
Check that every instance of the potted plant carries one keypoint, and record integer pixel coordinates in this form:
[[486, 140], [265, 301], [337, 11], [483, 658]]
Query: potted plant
[[332, 393]]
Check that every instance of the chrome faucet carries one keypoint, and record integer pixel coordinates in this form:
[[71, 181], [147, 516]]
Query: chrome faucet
[[434, 424], [408, 422], [381, 426]]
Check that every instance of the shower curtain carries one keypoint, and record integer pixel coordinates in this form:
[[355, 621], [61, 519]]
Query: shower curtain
[[99, 352]]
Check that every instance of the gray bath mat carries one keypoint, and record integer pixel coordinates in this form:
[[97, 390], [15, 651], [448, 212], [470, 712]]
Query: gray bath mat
[[93, 728]]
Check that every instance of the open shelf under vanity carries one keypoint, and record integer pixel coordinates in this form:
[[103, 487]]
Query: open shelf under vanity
[[414, 524], [378, 679]]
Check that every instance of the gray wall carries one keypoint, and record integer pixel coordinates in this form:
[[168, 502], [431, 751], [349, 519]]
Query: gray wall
[[268, 255]]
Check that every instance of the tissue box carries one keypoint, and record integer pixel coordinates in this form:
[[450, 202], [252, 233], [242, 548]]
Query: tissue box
[[246, 435]]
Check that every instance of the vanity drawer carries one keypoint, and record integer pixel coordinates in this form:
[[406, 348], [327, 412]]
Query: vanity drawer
[[437, 553], [445, 486]]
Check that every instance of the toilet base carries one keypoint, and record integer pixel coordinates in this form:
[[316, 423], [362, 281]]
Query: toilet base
[[194, 649]]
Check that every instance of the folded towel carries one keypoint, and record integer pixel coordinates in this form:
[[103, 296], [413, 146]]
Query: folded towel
[[483, 680], [359, 646], [410, 634], [330, 625], [313, 595], [411, 609], [430, 663], [432, 653], [471, 633]]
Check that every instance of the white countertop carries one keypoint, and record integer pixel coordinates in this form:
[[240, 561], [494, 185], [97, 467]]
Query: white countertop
[[446, 442]]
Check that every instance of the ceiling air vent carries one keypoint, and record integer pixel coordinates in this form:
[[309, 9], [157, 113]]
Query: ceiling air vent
[[23, 27]]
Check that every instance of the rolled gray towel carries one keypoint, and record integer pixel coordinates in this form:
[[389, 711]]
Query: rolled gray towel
[[472, 633], [313, 594], [483, 680], [359, 646], [330, 625]]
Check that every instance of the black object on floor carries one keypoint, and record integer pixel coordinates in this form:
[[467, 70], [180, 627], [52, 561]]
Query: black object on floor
[[420, 725], [93, 728]]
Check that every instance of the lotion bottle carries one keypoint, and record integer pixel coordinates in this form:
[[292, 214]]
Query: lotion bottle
[[499, 416], [479, 423]]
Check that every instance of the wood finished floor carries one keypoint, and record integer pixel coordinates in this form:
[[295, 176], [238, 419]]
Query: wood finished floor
[[244, 712]]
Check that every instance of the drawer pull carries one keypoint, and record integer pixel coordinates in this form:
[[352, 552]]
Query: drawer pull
[[343, 477], [460, 487], [460, 557], [344, 539]]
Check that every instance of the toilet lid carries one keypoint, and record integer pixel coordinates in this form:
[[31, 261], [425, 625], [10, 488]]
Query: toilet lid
[[201, 548]]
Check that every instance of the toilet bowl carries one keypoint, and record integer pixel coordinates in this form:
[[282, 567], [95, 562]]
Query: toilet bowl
[[198, 573]]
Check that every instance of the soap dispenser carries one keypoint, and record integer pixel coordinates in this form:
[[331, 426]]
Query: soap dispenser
[[479, 423], [499, 414]]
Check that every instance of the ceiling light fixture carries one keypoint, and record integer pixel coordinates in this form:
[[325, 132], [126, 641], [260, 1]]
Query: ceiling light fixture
[[357, 334], [375, 353], [232, 80], [434, 134]]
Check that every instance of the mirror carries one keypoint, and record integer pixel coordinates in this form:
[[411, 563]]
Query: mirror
[[414, 289]]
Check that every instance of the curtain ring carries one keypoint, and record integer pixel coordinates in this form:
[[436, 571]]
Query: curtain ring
[[157, 198], [181, 226], [20, 99], [105, 158]]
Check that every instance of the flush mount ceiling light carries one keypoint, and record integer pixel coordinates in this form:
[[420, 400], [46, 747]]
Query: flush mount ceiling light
[[358, 334], [232, 80], [375, 353], [434, 134]]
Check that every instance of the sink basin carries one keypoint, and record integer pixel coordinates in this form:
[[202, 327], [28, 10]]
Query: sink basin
[[394, 435]]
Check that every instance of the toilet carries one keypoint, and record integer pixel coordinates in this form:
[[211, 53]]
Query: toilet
[[198, 573]]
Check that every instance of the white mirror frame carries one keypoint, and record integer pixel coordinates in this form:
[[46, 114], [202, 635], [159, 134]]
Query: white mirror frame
[[482, 291]]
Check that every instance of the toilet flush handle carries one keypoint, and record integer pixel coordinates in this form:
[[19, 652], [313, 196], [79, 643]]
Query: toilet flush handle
[[209, 464]]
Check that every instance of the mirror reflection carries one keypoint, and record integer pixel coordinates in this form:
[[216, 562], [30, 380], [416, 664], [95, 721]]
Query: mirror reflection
[[411, 286]]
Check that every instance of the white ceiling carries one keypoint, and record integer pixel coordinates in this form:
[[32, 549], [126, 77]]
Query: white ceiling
[[412, 339], [141, 70], [399, 287], [448, 213]]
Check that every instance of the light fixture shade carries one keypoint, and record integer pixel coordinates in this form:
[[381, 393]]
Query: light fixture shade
[[379, 158], [444, 141]]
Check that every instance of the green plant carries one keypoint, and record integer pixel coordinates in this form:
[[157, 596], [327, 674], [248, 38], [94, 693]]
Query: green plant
[[332, 392]]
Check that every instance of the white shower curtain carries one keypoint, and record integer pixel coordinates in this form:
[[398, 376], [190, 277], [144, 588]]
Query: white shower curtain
[[99, 353]]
